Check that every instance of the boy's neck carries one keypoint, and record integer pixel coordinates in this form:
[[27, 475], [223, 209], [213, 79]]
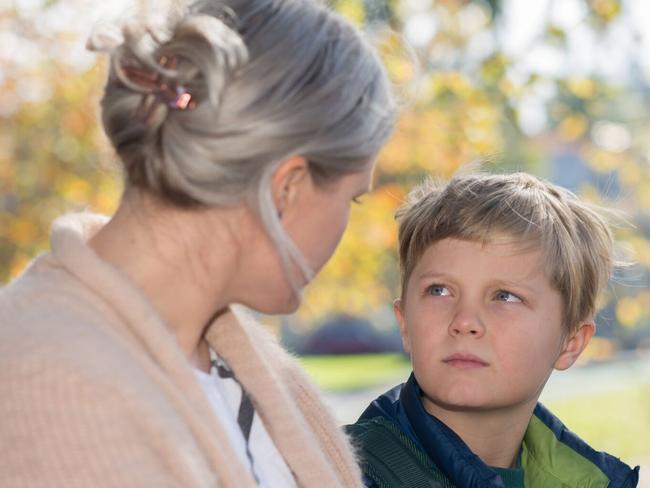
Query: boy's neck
[[495, 436]]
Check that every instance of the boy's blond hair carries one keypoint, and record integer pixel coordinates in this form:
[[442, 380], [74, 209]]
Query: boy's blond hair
[[575, 240]]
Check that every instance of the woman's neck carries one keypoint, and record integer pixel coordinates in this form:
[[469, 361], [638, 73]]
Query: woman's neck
[[164, 251]]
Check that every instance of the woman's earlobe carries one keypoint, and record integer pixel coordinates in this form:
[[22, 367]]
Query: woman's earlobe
[[287, 178], [282, 202]]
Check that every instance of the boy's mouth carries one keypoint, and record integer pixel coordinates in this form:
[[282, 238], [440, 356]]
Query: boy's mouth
[[464, 361]]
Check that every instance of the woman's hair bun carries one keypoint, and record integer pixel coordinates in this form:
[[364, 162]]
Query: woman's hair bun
[[207, 49], [190, 54], [212, 50]]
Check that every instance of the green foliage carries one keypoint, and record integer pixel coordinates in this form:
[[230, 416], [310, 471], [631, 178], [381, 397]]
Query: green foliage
[[619, 424], [341, 373]]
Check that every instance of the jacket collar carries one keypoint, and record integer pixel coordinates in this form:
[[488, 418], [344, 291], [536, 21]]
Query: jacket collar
[[447, 451], [403, 406], [443, 446], [559, 452]]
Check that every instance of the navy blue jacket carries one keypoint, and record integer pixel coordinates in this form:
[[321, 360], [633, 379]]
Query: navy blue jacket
[[544, 448]]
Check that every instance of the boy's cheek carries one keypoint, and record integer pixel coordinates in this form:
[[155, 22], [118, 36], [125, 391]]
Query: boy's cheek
[[406, 342], [403, 327], [404, 333]]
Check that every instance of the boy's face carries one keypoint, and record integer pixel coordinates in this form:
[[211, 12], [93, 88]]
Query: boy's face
[[484, 326]]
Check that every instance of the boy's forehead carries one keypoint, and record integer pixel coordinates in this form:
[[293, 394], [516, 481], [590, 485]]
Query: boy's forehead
[[503, 256], [497, 243]]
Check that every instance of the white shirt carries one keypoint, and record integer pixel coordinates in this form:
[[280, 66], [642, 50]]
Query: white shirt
[[259, 454]]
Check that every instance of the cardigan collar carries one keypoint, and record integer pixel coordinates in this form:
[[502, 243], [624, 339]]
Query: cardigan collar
[[241, 342], [141, 321]]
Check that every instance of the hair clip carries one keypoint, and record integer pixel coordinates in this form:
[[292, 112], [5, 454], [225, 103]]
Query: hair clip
[[158, 90], [182, 101]]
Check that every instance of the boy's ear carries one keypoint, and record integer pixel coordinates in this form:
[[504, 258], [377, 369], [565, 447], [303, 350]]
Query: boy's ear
[[399, 315], [574, 344], [286, 181]]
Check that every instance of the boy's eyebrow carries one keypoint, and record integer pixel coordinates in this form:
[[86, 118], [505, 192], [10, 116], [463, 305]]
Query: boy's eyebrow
[[516, 284], [431, 274], [427, 275]]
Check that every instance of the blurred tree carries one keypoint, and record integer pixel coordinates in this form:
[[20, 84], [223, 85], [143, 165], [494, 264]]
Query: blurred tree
[[52, 154], [558, 88], [544, 105]]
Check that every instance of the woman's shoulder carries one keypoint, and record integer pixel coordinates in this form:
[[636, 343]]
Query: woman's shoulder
[[55, 331], [75, 396], [45, 304]]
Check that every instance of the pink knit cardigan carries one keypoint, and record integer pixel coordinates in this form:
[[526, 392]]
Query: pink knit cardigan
[[95, 391]]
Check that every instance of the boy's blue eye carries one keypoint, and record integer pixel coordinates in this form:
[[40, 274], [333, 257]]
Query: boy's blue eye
[[438, 290], [506, 296]]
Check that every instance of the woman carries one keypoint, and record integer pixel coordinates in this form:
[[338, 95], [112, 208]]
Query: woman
[[246, 128]]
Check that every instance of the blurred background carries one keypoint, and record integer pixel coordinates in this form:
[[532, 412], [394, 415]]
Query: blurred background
[[559, 88]]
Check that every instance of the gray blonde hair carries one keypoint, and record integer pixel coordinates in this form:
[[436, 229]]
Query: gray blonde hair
[[271, 79], [573, 236]]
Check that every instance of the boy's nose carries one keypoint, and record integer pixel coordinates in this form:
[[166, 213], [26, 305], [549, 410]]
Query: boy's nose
[[466, 322]]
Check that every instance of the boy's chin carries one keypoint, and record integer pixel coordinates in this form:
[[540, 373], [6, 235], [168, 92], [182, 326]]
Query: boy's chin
[[463, 400], [472, 403], [435, 406]]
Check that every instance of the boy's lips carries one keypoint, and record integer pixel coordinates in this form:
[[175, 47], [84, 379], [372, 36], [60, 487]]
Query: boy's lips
[[464, 361]]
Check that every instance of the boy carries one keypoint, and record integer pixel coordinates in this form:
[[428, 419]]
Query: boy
[[500, 276]]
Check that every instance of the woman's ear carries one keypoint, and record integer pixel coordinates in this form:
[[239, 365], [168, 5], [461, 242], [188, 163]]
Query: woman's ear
[[286, 181], [574, 344], [403, 330]]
